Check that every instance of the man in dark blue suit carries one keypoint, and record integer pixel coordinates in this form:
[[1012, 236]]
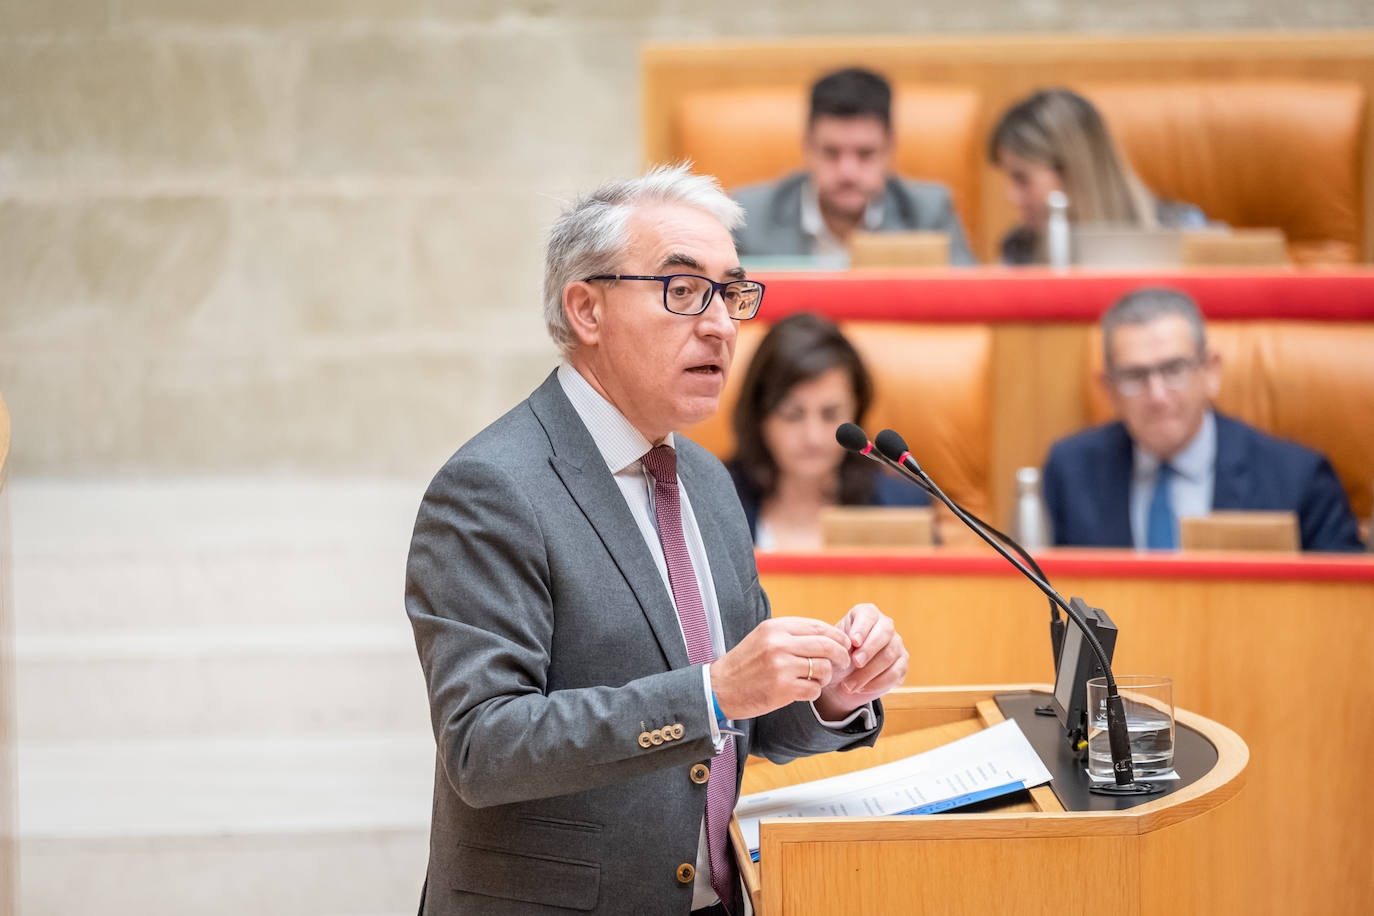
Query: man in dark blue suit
[[1170, 454]]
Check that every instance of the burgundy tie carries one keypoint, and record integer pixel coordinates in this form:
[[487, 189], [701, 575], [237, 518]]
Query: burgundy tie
[[661, 462]]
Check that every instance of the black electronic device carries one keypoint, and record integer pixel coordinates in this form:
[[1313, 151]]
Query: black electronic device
[[1077, 664]]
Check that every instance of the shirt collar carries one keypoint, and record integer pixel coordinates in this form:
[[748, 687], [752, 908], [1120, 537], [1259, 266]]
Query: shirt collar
[[620, 444], [813, 224], [1194, 461]]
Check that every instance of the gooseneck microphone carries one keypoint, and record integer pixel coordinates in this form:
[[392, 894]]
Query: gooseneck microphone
[[853, 439], [892, 447]]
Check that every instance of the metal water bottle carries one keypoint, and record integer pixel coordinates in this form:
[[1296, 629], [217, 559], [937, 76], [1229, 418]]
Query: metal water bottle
[[1031, 527]]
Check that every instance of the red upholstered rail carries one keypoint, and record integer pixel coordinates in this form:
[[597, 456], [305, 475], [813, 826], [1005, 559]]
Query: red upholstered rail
[[1026, 295], [1118, 564]]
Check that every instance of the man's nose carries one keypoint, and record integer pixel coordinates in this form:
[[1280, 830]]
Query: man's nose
[[1155, 389], [716, 320], [850, 164]]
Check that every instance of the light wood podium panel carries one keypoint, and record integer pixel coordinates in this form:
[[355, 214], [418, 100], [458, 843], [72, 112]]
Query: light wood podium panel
[[1276, 648], [1178, 854]]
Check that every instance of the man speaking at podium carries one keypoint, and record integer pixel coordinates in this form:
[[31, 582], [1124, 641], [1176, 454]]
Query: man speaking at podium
[[599, 656]]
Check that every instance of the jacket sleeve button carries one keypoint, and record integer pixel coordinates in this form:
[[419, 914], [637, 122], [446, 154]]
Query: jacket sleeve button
[[645, 740]]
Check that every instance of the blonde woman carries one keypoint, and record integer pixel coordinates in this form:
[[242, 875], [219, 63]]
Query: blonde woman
[[1055, 140]]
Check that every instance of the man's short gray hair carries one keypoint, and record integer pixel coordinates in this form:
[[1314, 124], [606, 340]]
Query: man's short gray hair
[[590, 236], [1145, 305]]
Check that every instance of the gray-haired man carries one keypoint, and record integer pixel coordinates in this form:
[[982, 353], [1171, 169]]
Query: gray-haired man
[[1171, 454], [599, 655]]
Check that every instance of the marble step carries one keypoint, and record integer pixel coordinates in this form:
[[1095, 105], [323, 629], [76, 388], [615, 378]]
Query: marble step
[[104, 556], [203, 682], [325, 826]]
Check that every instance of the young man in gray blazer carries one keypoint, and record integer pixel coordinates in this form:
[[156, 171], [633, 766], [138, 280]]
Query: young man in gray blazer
[[599, 656], [847, 185]]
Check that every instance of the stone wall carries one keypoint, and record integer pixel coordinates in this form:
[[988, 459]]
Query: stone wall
[[261, 236], [9, 820]]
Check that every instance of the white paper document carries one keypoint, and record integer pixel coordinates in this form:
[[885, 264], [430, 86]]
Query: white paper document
[[992, 762]]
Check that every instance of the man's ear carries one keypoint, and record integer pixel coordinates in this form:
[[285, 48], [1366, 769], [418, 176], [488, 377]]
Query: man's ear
[[1104, 381], [1211, 367], [890, 153], [582, 305]]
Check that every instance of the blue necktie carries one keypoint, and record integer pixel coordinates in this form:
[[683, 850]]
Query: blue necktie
[[1161, 529]]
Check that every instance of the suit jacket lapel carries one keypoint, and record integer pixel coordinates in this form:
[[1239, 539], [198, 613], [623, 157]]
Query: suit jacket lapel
[[899, 208], [1231, 480], [786, 215], [579, 464], [729, 598], [1116, 504]]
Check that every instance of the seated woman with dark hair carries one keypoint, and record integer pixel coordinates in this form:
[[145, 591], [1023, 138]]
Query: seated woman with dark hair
[[1055, 140], [805, 379]]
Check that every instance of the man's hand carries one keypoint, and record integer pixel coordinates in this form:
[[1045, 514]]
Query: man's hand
[[877, 663], [783, 660]]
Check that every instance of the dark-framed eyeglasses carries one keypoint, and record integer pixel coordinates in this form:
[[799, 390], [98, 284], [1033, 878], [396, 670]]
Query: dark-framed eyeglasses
[[1174, 374], [689, 294]]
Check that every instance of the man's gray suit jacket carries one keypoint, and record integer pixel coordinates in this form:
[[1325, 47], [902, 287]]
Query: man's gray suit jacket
[[773, 220], [549, 644]]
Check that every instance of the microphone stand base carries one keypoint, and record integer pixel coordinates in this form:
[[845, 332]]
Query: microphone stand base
[[1131, 788]]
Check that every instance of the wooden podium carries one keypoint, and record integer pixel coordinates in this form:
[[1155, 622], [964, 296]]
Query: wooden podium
[[1172, 854]]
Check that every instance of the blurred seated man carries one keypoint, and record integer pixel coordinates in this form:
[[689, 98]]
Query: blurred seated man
[[847, 185], [1171, 454]]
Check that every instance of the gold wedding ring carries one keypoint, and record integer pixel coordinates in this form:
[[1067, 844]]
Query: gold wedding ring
[[808, 668]]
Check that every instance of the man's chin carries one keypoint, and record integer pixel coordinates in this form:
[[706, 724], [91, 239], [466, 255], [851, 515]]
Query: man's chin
[[846, 206], [696, 410], [1161, 447]]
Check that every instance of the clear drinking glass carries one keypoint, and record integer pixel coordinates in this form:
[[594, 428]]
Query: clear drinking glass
[[1149, 703]]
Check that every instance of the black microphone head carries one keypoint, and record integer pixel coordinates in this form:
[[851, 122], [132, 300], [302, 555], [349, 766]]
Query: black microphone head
[[892, 445], [851, 437]]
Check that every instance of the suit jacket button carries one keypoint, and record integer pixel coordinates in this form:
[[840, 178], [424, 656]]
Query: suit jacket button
[[685, 873], [700, 773], [656, 736], [645, 740], [678, 730]]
